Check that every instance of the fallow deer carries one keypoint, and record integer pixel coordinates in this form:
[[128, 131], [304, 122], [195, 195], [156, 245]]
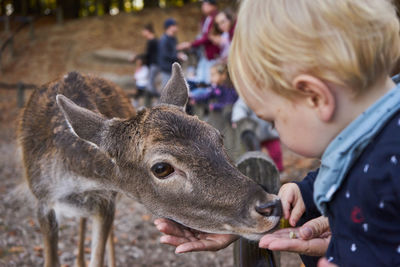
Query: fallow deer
[[83, 143]]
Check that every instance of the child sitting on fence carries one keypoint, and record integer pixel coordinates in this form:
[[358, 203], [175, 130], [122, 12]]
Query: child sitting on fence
[[265, 134], [141, 74], [220, 93], [319, 70]]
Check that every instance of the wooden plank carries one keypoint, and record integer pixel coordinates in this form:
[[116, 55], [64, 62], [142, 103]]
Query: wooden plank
[[259, 167]]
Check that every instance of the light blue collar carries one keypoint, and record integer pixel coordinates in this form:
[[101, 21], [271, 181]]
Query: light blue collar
[[341, 153]]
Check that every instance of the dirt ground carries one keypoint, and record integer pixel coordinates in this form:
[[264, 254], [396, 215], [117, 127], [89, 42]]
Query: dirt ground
[[54, 51]]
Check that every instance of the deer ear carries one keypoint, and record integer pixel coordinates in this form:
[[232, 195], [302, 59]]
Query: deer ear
[[85, 123], [176, 90]]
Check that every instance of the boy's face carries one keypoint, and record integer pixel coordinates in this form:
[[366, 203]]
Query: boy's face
[[296, 123]]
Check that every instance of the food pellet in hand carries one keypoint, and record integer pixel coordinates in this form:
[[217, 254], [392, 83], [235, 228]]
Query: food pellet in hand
[[292, 235]]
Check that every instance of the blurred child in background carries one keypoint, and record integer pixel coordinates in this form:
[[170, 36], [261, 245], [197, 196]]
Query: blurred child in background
[[266, 134], [221, 91], [141, 74]]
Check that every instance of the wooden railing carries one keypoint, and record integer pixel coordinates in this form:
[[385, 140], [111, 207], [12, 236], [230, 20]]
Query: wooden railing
[[20, 90], [9, 36]]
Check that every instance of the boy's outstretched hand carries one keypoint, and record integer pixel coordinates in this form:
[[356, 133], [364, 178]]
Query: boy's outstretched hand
[[187, 240], [311, 239], [292, 202]]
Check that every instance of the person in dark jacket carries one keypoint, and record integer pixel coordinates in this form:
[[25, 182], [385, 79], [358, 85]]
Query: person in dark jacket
[[167, 53], [151, 55]]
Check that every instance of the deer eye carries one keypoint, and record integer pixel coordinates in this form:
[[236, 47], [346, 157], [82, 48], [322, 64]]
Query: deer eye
[[162, 170]]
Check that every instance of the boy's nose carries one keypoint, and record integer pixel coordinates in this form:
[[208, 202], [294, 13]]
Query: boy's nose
[[273, 208]]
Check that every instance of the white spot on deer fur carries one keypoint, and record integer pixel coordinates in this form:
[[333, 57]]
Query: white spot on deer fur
[[64, 183], [394, 160], [353, 247], [365, 227], [347, 194], [381, 204], [366, 167]]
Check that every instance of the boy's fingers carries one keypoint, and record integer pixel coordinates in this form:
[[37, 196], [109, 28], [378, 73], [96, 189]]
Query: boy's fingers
[[286, 209], [314, 228], [286, 203], [296, 213]]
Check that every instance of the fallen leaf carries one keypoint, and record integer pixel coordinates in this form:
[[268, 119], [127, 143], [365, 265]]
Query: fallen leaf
[[31, 222], [16, 249], [146, 217], [38, 248]]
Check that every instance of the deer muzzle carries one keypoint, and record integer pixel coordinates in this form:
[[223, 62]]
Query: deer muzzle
[[273, 208]]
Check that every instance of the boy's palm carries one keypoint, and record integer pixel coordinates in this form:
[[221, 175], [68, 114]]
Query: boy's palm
[[186, 239]]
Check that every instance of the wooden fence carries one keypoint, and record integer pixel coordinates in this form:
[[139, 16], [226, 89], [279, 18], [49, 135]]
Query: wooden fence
[[20, 90]]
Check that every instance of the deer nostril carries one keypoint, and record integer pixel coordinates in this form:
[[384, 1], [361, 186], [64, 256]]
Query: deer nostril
[[273, 208]]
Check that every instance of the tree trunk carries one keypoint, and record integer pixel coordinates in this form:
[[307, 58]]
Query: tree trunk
[[121, 5], [70, 8], [151, 3], [16, 4], [107, 6]]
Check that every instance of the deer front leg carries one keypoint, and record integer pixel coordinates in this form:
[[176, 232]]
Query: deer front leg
[[111, 249], [49, 228], [80, 258], [102, 224]]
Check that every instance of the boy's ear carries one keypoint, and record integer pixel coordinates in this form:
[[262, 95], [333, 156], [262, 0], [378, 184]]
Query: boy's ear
[[318, 95], [176, 92]]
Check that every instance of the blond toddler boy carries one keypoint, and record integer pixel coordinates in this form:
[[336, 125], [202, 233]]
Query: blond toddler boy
[[319, 71]]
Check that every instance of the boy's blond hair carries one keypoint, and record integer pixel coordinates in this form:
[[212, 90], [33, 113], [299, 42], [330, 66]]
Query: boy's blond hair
[[351, 43]]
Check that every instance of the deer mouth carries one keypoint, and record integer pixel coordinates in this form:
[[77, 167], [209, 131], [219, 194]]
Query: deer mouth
[[257, 229]]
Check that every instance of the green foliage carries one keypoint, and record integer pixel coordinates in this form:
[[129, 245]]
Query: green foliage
[[83, 8]]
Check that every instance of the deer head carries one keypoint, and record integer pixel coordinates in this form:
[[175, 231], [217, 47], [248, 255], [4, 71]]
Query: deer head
[[175, 165]]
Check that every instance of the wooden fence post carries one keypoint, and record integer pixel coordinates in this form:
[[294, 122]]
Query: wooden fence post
[[20, 94], [7, 23], [221, 119], [59, 15], [259, 167], [31, 28]]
